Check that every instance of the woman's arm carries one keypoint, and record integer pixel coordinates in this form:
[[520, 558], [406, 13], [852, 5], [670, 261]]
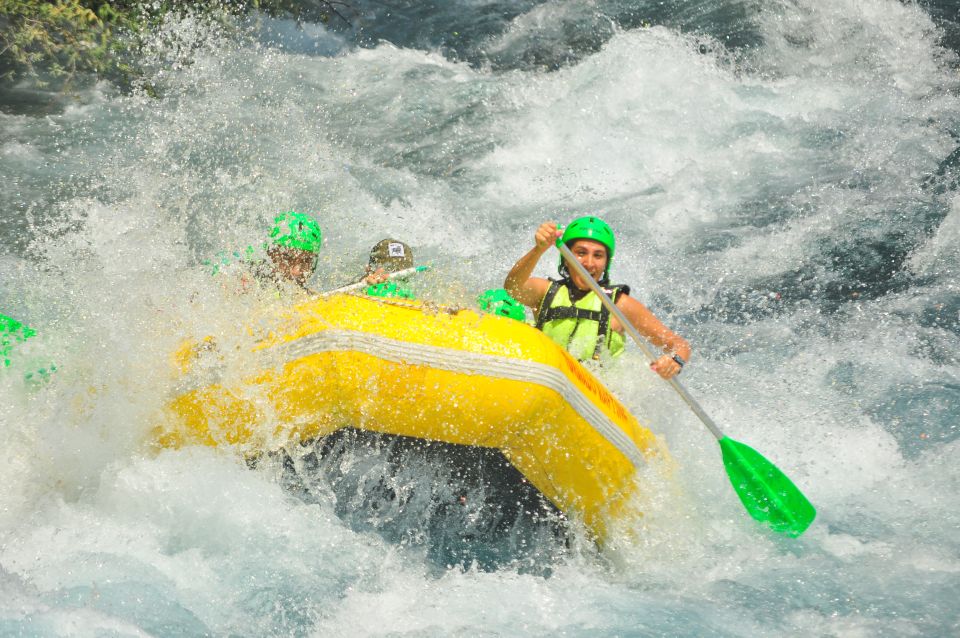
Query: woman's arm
[[519, 283], [658, 334]]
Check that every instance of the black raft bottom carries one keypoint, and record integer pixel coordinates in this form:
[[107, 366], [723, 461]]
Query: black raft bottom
[[465, 506]]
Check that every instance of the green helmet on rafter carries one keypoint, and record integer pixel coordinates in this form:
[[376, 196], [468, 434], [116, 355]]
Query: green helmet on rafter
[[594, 228], [499, 302], [296, 230], [12, 332]]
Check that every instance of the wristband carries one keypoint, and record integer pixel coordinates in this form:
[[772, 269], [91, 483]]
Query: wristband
[[679, 360]]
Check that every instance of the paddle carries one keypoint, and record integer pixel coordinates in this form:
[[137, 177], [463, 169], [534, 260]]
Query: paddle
[[406, 272], [767, 494]]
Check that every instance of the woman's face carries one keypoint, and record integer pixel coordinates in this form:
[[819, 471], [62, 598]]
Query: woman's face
[[293, 263], [592, 255]]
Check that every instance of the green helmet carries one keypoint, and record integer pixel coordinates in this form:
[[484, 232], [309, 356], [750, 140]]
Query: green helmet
[[296, 230], [388, 289], [12, 332], [590, 228], [499, 302], [9, 325]]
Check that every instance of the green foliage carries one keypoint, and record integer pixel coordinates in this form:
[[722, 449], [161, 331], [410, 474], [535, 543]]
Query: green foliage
[[64, 38]]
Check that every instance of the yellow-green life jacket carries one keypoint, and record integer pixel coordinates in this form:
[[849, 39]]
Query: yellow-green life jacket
[[583, 328]]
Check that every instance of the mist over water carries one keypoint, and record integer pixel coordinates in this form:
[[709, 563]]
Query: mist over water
[[782, 178]]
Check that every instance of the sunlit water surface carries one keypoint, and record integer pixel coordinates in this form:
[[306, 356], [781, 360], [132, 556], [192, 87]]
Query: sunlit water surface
[[782, 177]]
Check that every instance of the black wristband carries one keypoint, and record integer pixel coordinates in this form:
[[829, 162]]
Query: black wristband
[[679, 360]]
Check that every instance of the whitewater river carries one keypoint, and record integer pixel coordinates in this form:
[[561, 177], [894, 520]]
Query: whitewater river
[[783, 180]]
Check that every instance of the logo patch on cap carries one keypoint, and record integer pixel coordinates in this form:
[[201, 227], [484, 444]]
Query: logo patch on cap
[[395, 250]]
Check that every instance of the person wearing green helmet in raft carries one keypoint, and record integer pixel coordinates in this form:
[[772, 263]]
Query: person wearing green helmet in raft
[[388, 256], [499, 302], [569, 312], [13, 332], [292, 250]]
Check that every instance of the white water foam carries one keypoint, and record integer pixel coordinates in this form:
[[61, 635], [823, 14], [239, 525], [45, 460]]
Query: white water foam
[[831, 129]]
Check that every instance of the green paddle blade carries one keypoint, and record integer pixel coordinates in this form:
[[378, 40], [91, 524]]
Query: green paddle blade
[[769, 496]]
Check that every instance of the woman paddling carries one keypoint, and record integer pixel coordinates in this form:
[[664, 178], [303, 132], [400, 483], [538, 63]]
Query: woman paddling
[[571, 314]]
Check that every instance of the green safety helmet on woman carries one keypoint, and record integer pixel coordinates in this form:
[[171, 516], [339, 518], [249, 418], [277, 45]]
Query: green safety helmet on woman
[[296, 230], [589, 228]]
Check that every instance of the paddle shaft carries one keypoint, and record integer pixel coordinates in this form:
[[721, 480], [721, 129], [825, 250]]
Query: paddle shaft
[[362, 284], [641, 342]]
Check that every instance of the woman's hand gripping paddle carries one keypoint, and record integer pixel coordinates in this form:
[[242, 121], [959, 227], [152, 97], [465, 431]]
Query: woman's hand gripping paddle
[[767, 494]]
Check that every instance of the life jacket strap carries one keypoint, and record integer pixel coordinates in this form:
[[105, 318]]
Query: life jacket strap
[[545, 305], [572, 312]]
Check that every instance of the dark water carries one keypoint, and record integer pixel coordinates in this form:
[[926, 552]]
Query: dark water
[[467, 507]]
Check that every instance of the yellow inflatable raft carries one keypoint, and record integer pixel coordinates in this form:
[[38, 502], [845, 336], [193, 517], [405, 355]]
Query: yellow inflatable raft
[[404, 368]]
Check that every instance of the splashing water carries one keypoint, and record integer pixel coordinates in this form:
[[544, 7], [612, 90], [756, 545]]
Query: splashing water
[[783, 180]]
